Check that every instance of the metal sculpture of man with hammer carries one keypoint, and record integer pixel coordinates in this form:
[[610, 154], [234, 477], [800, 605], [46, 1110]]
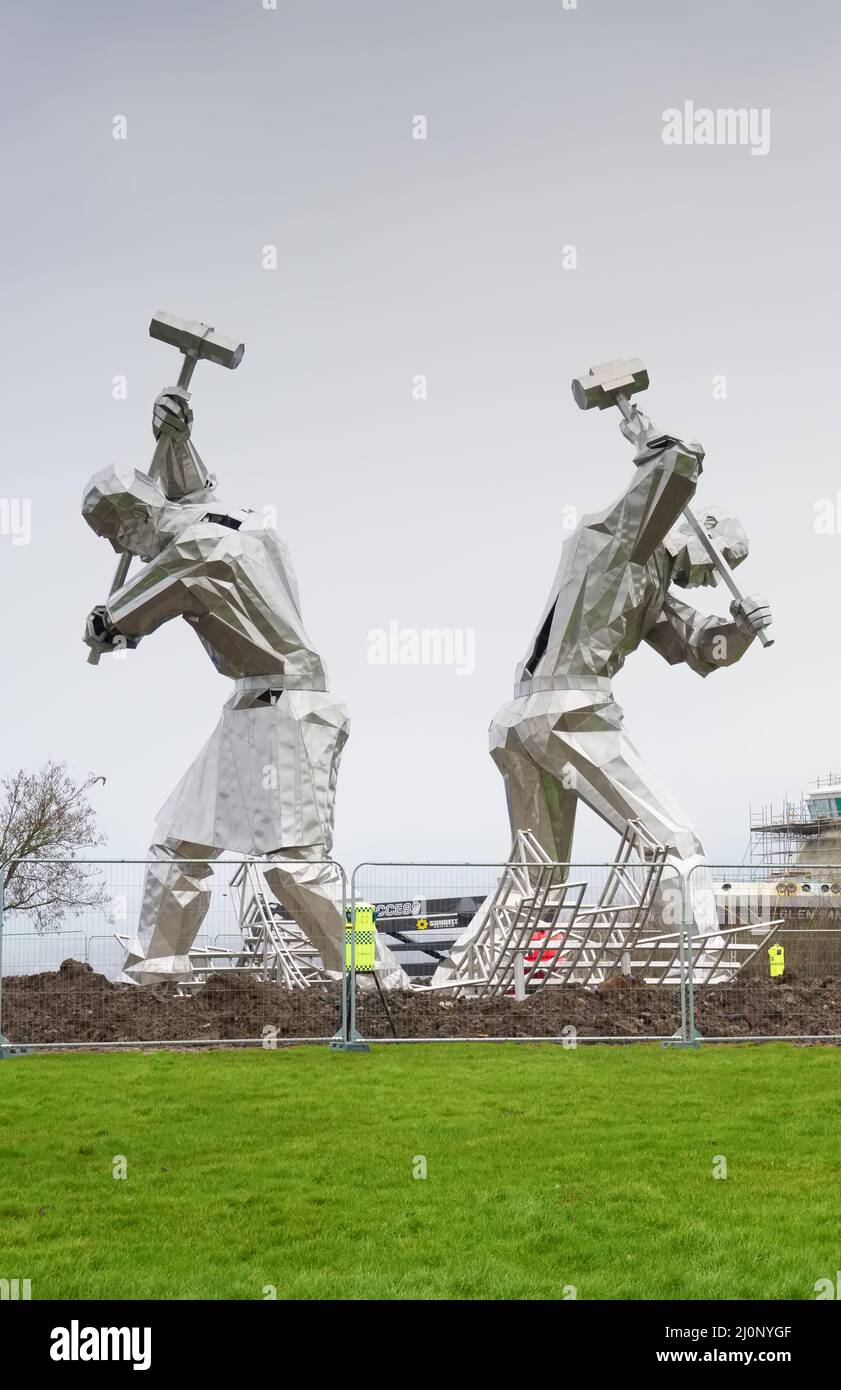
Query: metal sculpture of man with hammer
[[562, 739], [265, 782]]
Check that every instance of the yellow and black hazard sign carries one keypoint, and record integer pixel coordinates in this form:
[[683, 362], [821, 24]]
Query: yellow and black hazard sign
[[777, 959], [361, 939]]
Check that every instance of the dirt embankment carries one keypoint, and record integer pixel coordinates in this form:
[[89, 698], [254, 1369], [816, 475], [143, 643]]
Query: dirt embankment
[[74, 1004]]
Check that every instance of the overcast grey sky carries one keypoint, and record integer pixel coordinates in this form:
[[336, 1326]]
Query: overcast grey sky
[[293, 127]]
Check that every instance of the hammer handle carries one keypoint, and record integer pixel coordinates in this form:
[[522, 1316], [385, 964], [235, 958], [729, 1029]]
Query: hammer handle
[[123, 564], [718, 560]]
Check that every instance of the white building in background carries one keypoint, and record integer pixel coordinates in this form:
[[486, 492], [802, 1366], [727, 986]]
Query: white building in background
[[794, 855]]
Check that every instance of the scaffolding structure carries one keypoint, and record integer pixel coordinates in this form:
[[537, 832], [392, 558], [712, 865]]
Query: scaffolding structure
[[795, 833]]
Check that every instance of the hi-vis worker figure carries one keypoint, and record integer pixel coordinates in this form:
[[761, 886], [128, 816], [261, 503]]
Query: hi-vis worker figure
[[265, 782], [561, 741], [362, 949], [776, 960], [361, 938]]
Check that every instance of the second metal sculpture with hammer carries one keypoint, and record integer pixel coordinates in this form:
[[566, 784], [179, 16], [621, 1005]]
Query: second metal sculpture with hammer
[[561, 740]]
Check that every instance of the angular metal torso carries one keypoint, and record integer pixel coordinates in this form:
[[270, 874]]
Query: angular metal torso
[[253, 622], [600, 607], [230, 577]]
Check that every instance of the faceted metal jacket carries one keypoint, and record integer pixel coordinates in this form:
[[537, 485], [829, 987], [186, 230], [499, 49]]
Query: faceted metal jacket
[[611, 590], [226, 572]]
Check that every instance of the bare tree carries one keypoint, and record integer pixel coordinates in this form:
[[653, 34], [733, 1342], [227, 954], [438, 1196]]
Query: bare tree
[[47, 815]]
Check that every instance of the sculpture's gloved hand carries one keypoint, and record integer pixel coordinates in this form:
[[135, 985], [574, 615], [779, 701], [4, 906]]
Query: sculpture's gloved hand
[[752, 614], [635, 428], [102, 636], [639, 430], [171, 415]]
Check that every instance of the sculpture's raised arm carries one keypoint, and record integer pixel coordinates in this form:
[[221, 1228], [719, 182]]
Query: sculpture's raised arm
[[706, 643], [667, 473], [181, 471]]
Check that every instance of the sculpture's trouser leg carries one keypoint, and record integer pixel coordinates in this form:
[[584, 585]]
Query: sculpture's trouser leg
[[537, 801], [311, 892], [580, 742], [175, 902]]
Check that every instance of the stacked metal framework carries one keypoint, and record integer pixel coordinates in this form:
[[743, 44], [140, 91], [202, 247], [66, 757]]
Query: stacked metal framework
[[274, 949], [536, 930]]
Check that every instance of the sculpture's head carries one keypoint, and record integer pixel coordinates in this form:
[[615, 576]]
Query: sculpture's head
[[691, 565], [130, 511]]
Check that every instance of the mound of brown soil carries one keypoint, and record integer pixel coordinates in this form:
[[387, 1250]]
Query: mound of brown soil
[[74, 1004]]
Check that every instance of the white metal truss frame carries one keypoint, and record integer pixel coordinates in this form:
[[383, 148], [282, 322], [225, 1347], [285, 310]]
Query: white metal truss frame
[[716, 957], [273, 948], [535, 930]]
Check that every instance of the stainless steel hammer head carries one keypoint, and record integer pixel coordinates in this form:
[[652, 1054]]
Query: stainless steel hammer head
[[604, 383], [197, 340]]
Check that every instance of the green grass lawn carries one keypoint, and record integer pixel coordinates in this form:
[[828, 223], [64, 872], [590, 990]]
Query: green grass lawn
[[546, 1168]]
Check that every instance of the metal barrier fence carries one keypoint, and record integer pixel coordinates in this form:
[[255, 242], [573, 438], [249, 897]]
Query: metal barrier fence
[[792, 987], [569, 953], [255, 978], [548, 974]]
